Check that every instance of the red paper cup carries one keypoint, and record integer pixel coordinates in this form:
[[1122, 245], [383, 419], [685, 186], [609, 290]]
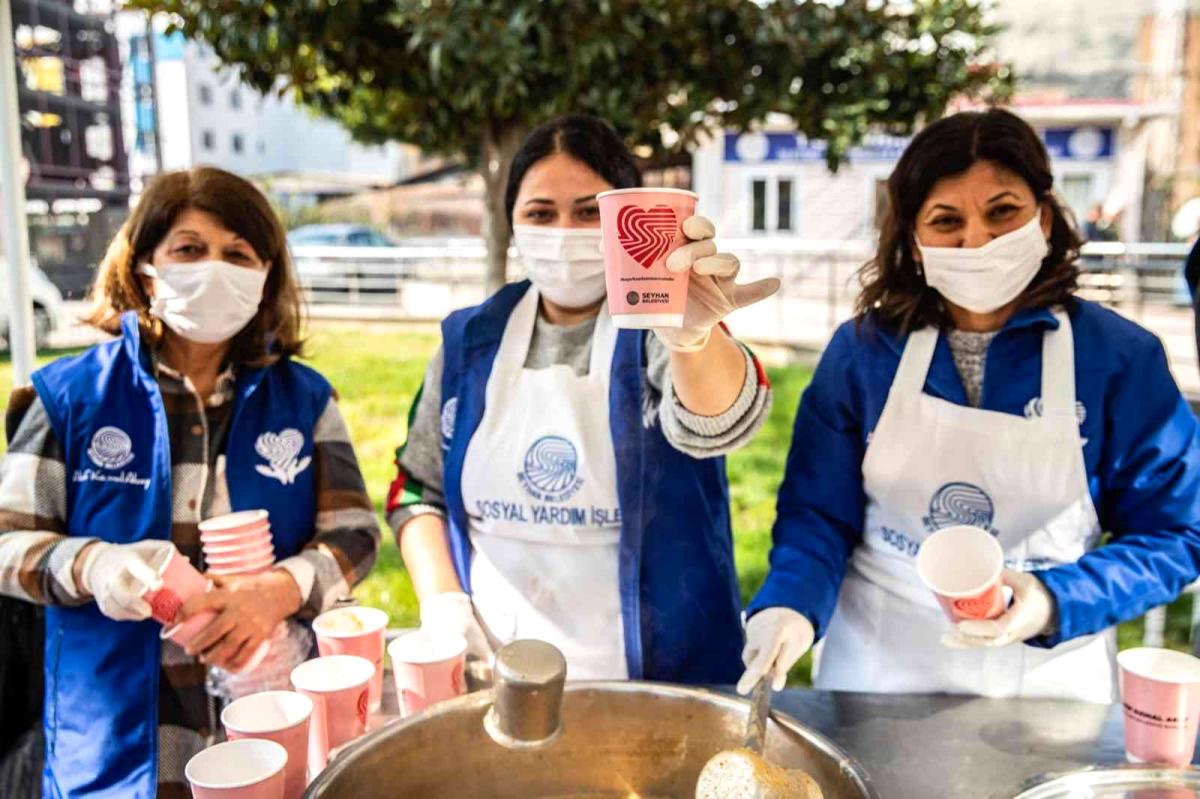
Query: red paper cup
[[339, 687], [247, 769], [963, 567], [180, 582], [640, 228], [428, 668], [1160, 690], [279, 716], [355, 631]]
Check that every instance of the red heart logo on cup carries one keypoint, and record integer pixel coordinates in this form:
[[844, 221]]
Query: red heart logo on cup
[[646, 233], [164, 604], [974, 607], [361, 707]]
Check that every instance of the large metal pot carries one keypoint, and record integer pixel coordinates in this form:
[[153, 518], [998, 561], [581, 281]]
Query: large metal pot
[[616, 740]]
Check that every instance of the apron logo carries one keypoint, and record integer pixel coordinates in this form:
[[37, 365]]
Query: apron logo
[[550, 470], [1034, 410], [280, 451], [960, 503], [111, 448], [449, 412]]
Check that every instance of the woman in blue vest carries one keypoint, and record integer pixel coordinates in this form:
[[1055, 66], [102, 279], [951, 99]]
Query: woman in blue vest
[[197, 408], [975, 388], [563, 480]]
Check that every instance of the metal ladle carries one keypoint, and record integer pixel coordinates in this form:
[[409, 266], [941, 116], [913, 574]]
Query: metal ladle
[[744, 773]]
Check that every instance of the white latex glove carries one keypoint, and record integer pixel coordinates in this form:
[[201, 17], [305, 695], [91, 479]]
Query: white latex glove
[[453, 611], [117, 575], [1032, 613], [713, 291], [775, 639]]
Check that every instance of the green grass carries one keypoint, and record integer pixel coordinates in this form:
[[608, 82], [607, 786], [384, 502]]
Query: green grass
[[377, 369]]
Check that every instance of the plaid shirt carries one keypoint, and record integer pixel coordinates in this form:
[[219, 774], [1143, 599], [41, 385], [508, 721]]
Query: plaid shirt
[[38, 560]]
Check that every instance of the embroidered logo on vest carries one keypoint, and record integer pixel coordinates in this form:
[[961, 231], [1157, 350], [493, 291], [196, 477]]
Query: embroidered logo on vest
[[550, 470], [111, 448], [1034, 410], [280, 451], [960, 503], [449, 412]]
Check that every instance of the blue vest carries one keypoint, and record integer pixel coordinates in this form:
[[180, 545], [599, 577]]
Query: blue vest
[[101, 708], [679, 592]]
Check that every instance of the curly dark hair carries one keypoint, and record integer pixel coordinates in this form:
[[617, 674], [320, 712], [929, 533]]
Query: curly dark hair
[[894, 290]]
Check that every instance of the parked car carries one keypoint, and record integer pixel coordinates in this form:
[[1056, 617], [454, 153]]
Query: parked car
[[340, 270], [338, 235], [47, 304]]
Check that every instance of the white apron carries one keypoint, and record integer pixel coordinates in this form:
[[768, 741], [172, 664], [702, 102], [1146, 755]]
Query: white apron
[[540, 488], [931, 464]]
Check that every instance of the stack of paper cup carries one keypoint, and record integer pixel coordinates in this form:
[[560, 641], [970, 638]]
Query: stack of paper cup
[[238, 543]]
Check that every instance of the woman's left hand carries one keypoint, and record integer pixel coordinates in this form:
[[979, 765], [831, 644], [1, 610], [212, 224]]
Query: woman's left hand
[[248, 608], [713, 291], [1032, 613]]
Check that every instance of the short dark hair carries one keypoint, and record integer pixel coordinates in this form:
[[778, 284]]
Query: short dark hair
[[894, 289], [588, 139]]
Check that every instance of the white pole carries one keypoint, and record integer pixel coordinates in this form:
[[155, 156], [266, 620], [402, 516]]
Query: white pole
[[12, 214]]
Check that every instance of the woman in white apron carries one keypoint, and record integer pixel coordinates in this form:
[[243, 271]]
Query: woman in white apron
[[563, 480], [973, 388]]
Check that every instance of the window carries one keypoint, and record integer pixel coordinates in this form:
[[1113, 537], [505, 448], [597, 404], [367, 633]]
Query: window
[[235, 100], [1077, 191], [205, 94], [238, 143], [758, 205], [208, 141], [784, 205]]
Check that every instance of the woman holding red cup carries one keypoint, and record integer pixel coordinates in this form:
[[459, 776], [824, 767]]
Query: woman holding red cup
[[585, 501], [197, 408]]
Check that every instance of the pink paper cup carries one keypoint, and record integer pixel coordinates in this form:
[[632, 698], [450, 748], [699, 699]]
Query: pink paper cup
[[640, 228], [242, 542], [428, 668], [182, 634], [244, 566], [339, 687], [355, 631], [1160, 691], [236, 538], [249, 554], [180, 582], [234, 522], [963, 566], [245, 769], [279, 716]]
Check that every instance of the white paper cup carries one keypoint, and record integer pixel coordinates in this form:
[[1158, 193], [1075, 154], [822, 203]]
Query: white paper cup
[[963, 567], [247, 769]]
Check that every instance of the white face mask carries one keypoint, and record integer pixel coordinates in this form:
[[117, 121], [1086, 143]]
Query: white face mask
[[982, 279], [564, 264], [206, 301]]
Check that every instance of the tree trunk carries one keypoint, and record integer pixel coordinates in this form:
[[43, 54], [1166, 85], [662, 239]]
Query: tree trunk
[[500, 144]]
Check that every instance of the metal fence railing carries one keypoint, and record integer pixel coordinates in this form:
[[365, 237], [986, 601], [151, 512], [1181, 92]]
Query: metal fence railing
[[426, 279]]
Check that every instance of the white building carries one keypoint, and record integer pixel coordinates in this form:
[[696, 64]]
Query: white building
[[206, 116], [774, 182]]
